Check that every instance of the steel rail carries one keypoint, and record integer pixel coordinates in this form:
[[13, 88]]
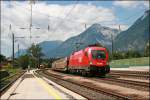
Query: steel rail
[[39, 75], [94, 88], [3, 89], [126, 83], [131, 72], [130, 75]]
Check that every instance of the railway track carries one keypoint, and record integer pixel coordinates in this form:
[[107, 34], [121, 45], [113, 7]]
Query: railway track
[[38, 74], [89, 86], [131, 74], [140, 85], [126, 83], [129, 83], [6, 83]]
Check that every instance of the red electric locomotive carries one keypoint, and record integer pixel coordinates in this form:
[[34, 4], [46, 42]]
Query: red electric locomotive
[[90, 61]]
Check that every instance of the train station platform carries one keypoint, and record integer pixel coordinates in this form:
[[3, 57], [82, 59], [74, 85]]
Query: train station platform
[[29, 86]]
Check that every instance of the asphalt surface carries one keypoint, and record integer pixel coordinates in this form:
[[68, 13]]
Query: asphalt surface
[[30, 86]]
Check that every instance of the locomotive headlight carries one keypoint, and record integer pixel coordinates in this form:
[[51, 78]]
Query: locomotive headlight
[[91, 63]]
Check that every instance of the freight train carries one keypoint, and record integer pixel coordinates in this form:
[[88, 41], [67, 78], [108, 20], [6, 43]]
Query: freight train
[[93, 60]]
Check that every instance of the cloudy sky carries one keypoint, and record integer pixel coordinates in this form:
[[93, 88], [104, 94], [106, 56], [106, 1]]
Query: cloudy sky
[[64, 18]]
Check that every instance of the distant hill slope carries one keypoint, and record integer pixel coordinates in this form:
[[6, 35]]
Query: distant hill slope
[[135, 37], [46, 46], [21, 52], [94, 34]]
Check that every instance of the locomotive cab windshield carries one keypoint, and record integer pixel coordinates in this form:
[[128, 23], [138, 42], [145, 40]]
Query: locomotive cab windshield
[[98, 54]]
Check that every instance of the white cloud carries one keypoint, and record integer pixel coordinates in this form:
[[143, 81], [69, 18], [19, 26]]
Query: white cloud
[[43, 14], [132, 4], [122, 26], [124, 4], [146, 4]]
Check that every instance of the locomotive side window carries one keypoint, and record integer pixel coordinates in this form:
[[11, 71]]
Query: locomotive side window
[[98, 54]]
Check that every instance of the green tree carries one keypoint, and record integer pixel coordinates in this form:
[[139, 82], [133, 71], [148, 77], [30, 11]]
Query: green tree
[[35, 54], [2, 58], [132, 54], [125, 55], [118, 55], [147, 50], [23, 61]]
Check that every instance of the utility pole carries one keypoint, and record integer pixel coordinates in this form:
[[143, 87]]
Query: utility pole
[[30, 28], [18, 50], [85, 25], [112, 45], [38, 60], [0, 41], [48, 28], [13, 42], [119, 29], [0, 35]]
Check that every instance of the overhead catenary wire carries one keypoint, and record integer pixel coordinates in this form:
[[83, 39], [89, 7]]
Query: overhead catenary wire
[[74, 20], [65, 18], [22, 28], [49, 15], [48, 28], [127, 19], [66, 15]]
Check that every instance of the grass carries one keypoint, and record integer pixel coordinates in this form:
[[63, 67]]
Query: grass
[[125, 63], [5, 79], [10, 70]]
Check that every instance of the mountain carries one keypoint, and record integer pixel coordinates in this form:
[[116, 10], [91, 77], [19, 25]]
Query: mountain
[[94, 34], [46, 46], [135, 37], [21, 52]]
